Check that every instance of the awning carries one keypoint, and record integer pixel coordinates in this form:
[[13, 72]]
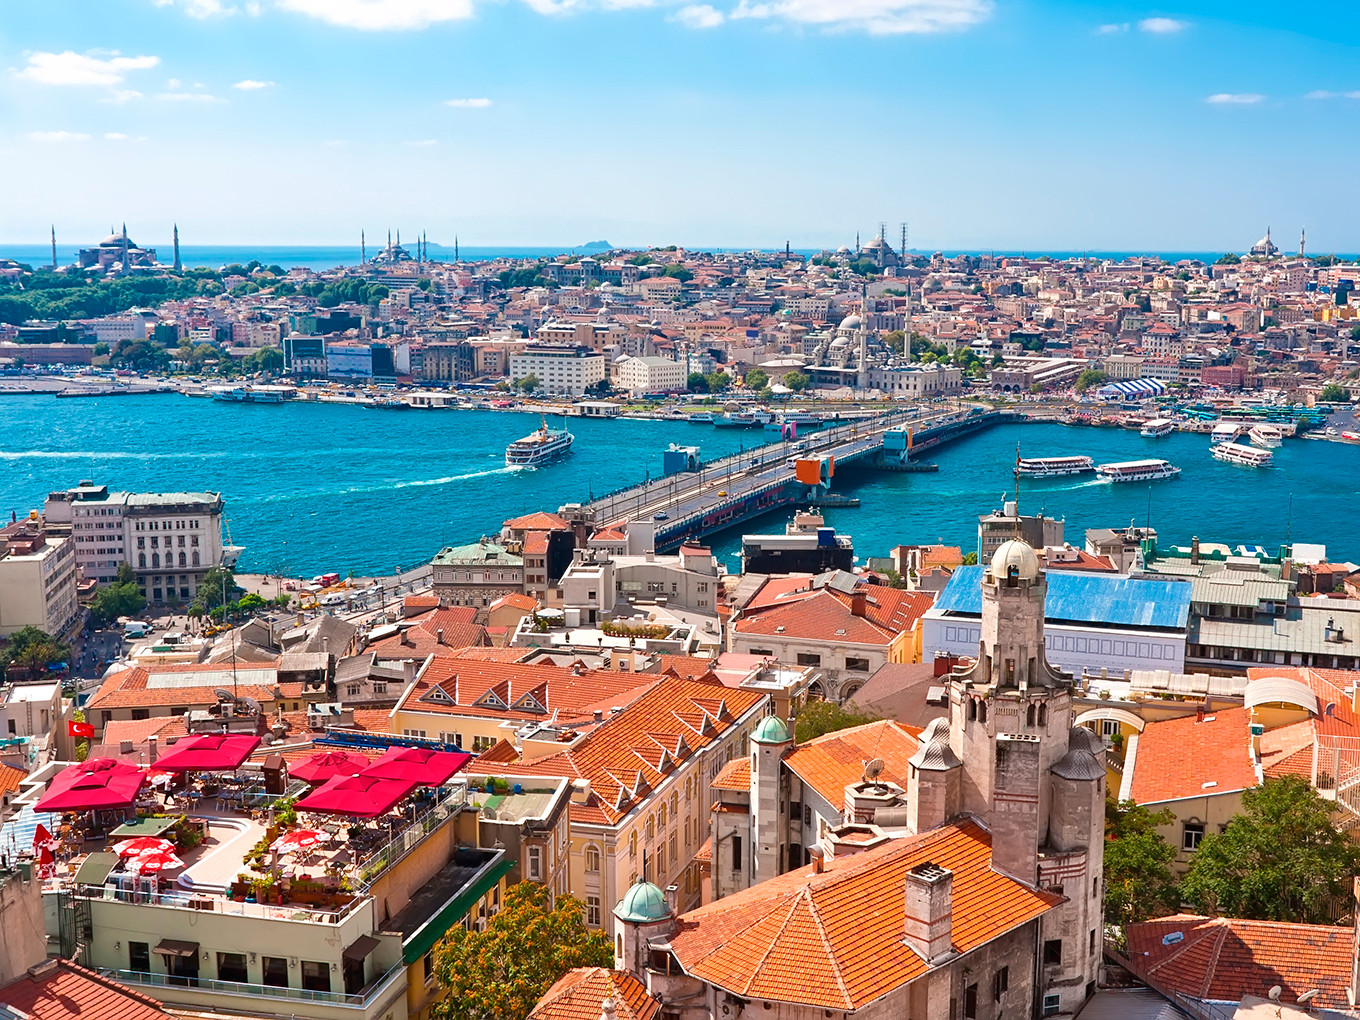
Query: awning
[[174, 947], [144, 827], [362, 946], [96, 868]]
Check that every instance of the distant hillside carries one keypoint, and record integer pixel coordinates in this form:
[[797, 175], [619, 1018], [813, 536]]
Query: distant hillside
[[598, 245]]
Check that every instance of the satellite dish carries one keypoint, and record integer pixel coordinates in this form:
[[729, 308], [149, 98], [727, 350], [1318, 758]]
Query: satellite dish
[[1308, 996], [223, 695], [873, 769], [1274, 994]]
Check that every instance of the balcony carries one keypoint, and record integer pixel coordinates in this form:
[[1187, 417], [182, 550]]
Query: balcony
[[197, 991]]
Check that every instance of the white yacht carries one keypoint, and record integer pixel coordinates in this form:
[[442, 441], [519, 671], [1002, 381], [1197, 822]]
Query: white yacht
[[542, 446], [1225, 432], [1246, 456], [1267, 436], [1157, 428], [1052, 467], [1137, 470]]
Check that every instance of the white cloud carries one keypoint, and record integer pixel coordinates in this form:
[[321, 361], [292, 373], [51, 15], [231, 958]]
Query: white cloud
[[699, 16], [1113, 29], [1235, 98], [877, 17], [187, 97], [468, 104], [251, 85], [253, 8], [382, 15], [201, 8], [173, 84], [114, 136], [92, 68], [423, 143], [59, 136], [1324, 94], [1162, 26]]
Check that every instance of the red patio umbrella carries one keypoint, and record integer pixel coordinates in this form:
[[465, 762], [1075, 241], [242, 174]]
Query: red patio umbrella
[[418, 765], [143, 845], [155, 862], [298, 839], [361, 796], [91, 785], [209, 752], [318, 768]]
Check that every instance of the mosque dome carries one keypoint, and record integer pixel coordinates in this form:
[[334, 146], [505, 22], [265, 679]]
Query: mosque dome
[[1015, 557], [1079, 765], [851, 322], [934, 753], [1082, 739], [643, 903], [116, 241], [771, 731]]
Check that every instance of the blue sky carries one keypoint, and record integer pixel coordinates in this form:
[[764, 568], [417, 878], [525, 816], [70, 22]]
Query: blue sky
[[1033, 124]]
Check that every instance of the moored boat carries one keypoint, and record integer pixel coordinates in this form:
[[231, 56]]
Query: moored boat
[[1225, 432], [1137, 470], [1267, 436], [1157, 428], [1245, 456]]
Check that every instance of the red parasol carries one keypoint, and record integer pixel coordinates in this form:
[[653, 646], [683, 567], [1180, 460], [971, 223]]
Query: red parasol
[[92, 785], [155, 862], [361, 796], [210, 752], [42, 838], [318, 768], [418, 765], [47, 863], [298, 839], [142, 845]]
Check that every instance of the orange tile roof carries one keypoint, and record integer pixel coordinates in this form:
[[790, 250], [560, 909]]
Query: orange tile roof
[[536, 543], [514, 600], [705, 853], [684, 665], [1225, 958], [1176, 757], [502, 752], [1288, 750], [826, 616], [835, 940], [539, 521], [70, 992], [10, 777], [133, 688], [578, 995], [735, 775], [833, 761], [423, 639], [632, 753]]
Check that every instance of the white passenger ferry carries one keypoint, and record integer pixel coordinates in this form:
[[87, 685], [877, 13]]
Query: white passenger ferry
[[1247, 456], [1225, 432], [1157, 428], [1052, 467], [1137, 470], [1267, 436], [541, 446]]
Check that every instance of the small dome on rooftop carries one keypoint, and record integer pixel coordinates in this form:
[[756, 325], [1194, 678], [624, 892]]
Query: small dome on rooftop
[[771, 731], [643, 903], [1015, 558]]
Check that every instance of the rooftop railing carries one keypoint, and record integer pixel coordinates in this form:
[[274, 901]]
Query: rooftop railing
[[359, 999]]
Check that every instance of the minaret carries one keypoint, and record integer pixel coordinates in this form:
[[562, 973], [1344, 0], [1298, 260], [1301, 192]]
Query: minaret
[[125, 250], [856, 242], [363, 250], [178, 265], [1302, 239], [455, 248], [54, 247]]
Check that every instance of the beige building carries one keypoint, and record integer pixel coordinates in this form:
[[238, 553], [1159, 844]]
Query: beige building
[[650, 375], [37, 580], [559, 368]]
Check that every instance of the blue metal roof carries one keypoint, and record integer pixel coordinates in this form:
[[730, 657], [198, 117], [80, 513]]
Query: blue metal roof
[[1086, 598]]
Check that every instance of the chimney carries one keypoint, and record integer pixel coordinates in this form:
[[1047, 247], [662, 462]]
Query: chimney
[[151, 749], [928, 925], [408, 669], [439, 636], [1194, 549], [858, 603], [599, 715], [818, 856]]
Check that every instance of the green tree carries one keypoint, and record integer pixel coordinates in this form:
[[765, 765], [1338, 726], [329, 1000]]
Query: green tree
[[718, 381], [32, 649], [796, 381], [697, 382], [756, 379], [121, 598], [970, 559], [818, 717], [896, 340], [1228, 260], [101, 350], [678, 272], [251, 602], [1139, 882], [1355, 333], [529, 383], [215, 591], [1281, 859], [1334, 393], [1090, 377], [766, 394], [502, 972]]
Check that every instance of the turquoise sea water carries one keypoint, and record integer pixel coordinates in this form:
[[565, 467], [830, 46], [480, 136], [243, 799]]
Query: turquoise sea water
[[313, 487]]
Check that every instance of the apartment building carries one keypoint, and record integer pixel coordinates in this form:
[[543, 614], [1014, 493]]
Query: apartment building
[[38, 574], [650, 375], [559, 368]]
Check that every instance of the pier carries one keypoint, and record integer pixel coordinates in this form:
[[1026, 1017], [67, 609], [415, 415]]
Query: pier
[[690, 505]]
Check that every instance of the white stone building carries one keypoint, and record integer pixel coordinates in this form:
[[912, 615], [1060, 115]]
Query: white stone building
[[559, 368]]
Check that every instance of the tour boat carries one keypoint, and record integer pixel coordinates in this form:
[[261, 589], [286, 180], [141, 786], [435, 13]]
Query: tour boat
[[1224, 432], [1266, 435], [1246, 456], [1137, 470], [539, 447], [1051, 467], [700, 416], [1157, 428]]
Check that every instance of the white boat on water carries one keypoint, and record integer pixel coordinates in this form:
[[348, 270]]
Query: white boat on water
[[1157, 428], [701, 417], [1053, 467], [1267, 436], [1246, 456], [542, 446], [1137, 470], [1225, 432]]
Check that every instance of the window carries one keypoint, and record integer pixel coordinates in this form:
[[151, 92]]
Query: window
[[736, 853], [276, 971], [593, 911], [809, 659], [1092, 947], [352, 690], [675, 855], [592, 859], [970, 1002], [536, 863], [858, 665], [1053, 953], [1191, 836], [415, 733], [428, 964], [1052, 1004], [141, 713], [1001, 981], [231, 967], [316, 977], [139, 956], [632, 846]]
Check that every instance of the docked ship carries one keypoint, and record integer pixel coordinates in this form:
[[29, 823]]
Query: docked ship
[[701, 418], [1267, 436], [735, 421], [1053, 467], [1157, 428], [1246, 456], [542, 446], [1137, 470], [1225, 432]]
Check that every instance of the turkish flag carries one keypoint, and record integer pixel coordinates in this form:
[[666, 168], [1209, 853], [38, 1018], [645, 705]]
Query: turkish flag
[[80, 729]]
